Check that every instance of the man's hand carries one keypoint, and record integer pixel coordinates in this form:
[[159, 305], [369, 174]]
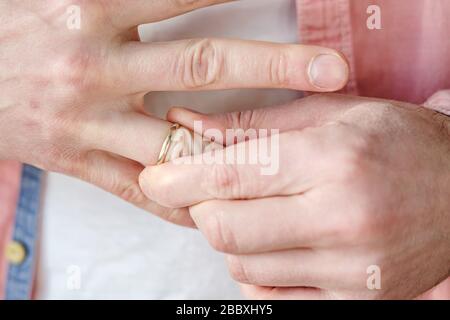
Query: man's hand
[[363, 187], [74, 75]]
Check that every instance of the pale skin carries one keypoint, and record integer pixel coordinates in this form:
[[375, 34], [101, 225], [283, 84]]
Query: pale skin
[[362, 182], [72, 101]]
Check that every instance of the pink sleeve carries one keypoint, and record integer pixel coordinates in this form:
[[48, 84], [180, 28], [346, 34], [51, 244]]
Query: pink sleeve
[[10, 172], [440, 101]]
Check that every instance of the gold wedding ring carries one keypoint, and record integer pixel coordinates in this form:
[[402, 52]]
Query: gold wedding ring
[[167, 143]]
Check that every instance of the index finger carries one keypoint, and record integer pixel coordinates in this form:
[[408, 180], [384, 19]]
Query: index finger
[[213, 64]]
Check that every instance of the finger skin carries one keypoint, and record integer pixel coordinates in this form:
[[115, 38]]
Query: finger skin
[[311, 111], [308, 220], [191, 180], [291, 268], [128, 134], [119, 176], [126, 14], [300, 161], [212, 64], [277, 223], [277, 293]]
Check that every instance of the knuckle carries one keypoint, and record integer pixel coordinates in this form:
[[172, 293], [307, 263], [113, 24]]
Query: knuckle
[[246, 119], [240, 119], [351, 165], [364, 224], [355, 155], [75, 70], [219, 236], [237, 269], [358, 223], [178, 216], [278, 67], [357, 229], [223, 182], [130, 192], [200, 65]]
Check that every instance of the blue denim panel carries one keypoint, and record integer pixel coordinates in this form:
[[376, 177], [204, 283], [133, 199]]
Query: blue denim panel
[[19, 281]]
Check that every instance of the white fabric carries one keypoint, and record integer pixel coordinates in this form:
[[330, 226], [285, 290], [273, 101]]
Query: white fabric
[[97, 246]]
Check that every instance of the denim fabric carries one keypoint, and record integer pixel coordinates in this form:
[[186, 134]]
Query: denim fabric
[[19, 281]]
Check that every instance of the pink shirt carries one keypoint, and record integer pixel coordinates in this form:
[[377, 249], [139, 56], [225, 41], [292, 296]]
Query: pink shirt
[[407, 59]]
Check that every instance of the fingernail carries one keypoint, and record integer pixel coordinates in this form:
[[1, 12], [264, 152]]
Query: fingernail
[[328, 71]]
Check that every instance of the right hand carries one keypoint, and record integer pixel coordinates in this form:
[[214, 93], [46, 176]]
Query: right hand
[[72, 101]]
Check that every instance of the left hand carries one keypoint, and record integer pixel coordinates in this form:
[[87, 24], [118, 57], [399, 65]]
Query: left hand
[[363, 186], [74, 73]]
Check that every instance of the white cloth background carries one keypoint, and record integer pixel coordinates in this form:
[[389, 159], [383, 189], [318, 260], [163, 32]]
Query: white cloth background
[[122, 252]]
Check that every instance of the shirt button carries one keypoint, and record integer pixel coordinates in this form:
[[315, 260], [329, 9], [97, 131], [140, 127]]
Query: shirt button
[[15, 252]]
